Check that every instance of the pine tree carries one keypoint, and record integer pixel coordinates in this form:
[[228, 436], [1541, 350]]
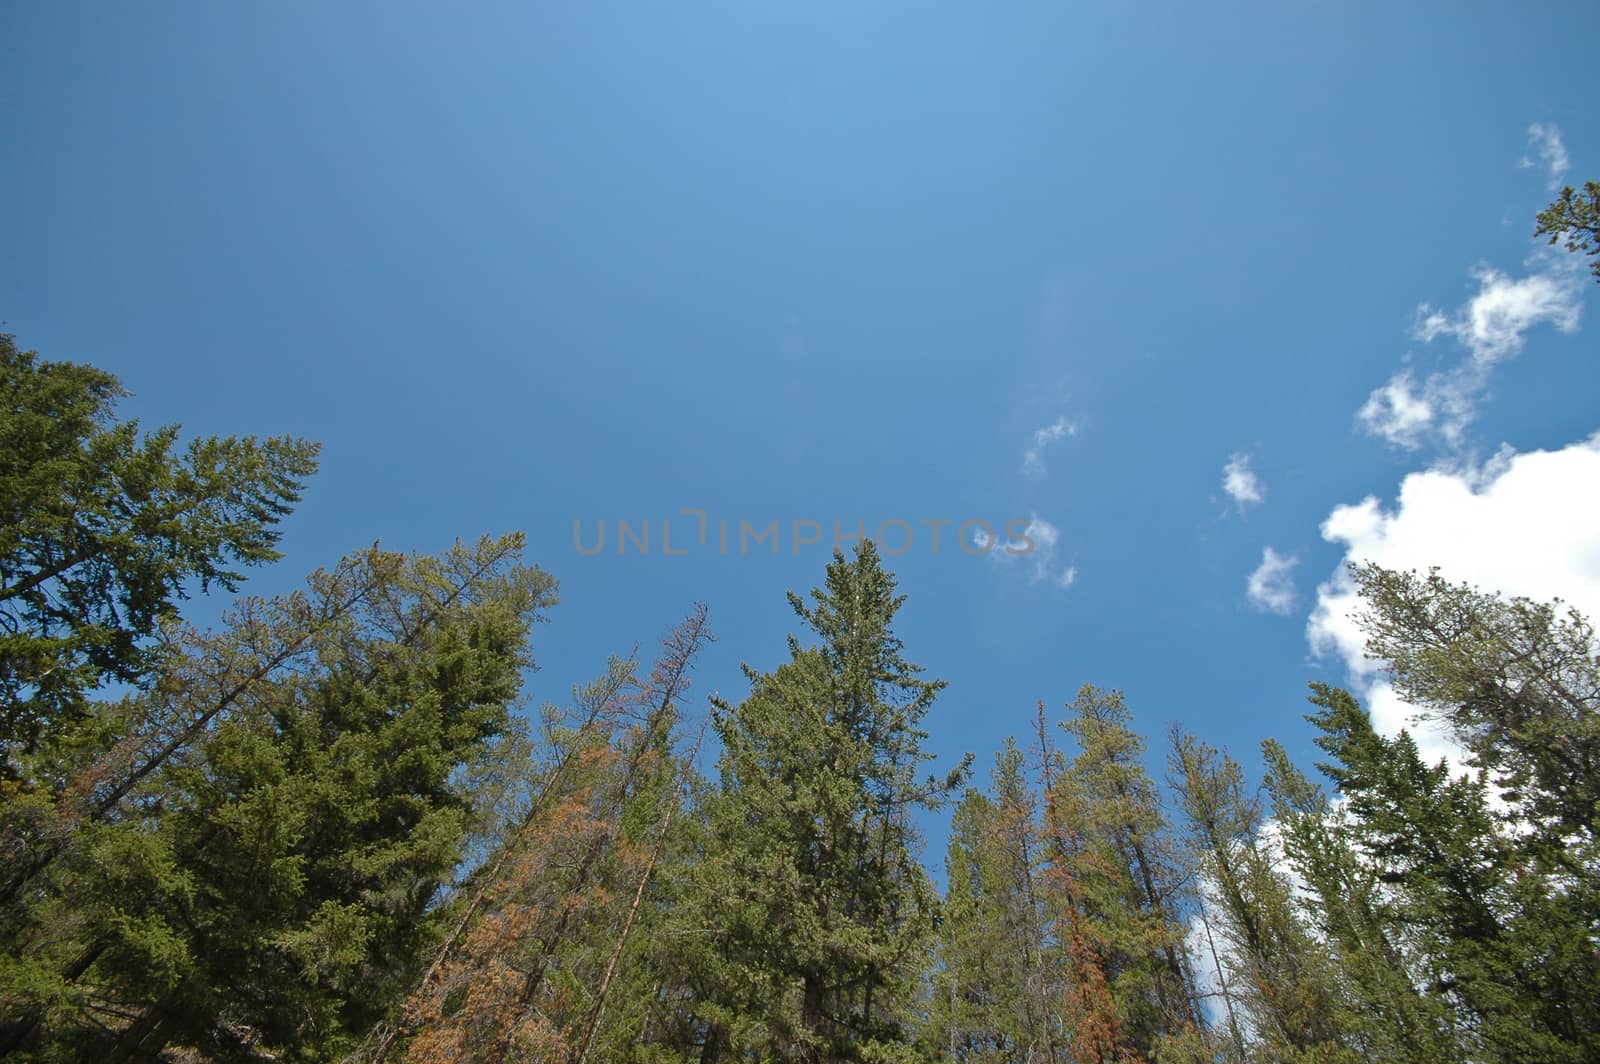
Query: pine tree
[[1281, 983], [104, 532], [260, 872], [1352, 909], [1574, 220], [1517, 683], [994, 997], [518, 907], [822, 914], [1492, 936], [1093, 1026], [526, 972], [1128, 870]]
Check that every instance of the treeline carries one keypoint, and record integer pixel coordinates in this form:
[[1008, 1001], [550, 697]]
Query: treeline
[[332, 828]]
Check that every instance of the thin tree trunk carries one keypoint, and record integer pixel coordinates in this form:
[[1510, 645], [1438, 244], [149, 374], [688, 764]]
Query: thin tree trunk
[[1222, 981], [633, 912], [536, 806]]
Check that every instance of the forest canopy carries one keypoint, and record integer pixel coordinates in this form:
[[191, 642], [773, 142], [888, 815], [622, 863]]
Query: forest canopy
[[330, 827]]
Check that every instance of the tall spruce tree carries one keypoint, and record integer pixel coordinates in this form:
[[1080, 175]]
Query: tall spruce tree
[[1352, 907], [1133, 887], [1498, 931], [1093, 1031], [995, 996], [821, 914], [1517, 684]]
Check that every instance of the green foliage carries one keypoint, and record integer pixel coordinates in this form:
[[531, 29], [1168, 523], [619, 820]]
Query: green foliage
[[103, 531], [1493, 877], [1351, 907], [1517, 681], [1129, 878], [265, 875], [1574, 218], [550, 955], [823, 917], [994, 995], [1279, 982], [321, 831]]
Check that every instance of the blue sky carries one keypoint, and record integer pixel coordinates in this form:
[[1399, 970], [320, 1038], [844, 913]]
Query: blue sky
[[522, 265]]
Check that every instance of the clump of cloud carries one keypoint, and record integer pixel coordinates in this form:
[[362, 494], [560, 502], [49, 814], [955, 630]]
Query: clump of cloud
[[1492, 327], [1270, 588], [1242, 484], [1033, 459]]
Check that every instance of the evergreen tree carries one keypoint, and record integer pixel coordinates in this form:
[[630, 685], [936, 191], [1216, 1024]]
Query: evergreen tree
[[519, 908], [528, 970], [1127, 869], [1574, 218], [1495, 934], [1351, 907], [1093, 1029], [103, 531], [1281, 983], [823, 915], [1517, 683], [265, 879], [994, 997]]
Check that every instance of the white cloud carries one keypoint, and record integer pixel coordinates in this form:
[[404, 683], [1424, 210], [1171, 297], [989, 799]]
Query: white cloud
[[1271, 587], [1241, 482], [1033, 458], [1035, 548], [1399, 412], [1494, 323], [1492, 326], [1546, 140], [1523, 524]]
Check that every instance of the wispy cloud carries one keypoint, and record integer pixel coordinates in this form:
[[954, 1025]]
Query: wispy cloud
[[1241, 483], [1035, 549], [1494, 323], [1271, 587], [1546, 141], [1492, 326], [1033, 458]]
